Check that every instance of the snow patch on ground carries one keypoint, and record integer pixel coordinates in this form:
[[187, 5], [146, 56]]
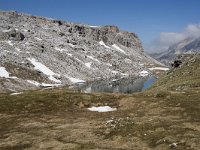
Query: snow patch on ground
[[102, 109], [6, 51], [93, 59], [114, 80], [25, 30], [71, 45], [13, 77], [39, 39], [10, 43], [69, 54], [16, 93], [42, 84], [141, 64], [54, 79], [33, 82], [144, 73], [118, 48], [75, 80], [3, 72], [108, 64], [88, 65], [60, 49], [50, 85], [39, 66], [7, 30], [159, 68], [103, 44], [114, 72], [11, 90]]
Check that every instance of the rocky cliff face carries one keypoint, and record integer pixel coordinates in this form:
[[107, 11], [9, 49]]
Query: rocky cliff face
[[38, 51]]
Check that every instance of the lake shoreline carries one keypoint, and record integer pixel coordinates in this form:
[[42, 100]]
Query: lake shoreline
[[123, 85]]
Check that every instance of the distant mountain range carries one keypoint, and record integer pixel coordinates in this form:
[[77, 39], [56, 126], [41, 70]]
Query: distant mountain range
[[39, 51], [187, 46]]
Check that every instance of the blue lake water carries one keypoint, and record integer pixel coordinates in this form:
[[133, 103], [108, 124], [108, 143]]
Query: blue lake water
[[125, 85], [149, 82]]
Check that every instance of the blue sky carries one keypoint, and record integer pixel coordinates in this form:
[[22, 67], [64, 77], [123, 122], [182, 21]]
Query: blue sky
[[148, 18]]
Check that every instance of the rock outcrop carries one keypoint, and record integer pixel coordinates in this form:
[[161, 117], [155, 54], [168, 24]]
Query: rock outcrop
[[59, 52], [12, 35]]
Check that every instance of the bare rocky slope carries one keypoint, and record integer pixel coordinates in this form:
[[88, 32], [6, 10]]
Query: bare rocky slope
[[38, 51]]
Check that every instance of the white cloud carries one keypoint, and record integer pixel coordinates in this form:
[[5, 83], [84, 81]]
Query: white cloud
[[166, 39], [193, 30]]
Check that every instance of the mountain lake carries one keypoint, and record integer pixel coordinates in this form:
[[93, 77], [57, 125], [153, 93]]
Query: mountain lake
[[124, 85]]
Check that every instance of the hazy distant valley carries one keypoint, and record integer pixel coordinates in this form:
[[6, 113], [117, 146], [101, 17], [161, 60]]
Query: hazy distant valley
[[185, 47]]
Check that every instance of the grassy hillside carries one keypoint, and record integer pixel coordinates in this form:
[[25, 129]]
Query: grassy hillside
[[165, 117], [182, 78]]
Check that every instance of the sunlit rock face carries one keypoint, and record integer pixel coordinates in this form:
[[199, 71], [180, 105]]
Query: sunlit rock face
[[69, 52]]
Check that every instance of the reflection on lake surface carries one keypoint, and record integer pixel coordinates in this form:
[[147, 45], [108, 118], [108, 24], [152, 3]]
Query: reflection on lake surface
[[125, 85]]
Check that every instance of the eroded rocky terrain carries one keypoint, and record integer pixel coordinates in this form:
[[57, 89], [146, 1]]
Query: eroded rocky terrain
[[38, 51]]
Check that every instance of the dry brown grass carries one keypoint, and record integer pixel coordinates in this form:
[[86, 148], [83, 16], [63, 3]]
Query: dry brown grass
[[58, 119]]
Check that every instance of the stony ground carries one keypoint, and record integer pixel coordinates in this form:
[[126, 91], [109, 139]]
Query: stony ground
[[59, 119]]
